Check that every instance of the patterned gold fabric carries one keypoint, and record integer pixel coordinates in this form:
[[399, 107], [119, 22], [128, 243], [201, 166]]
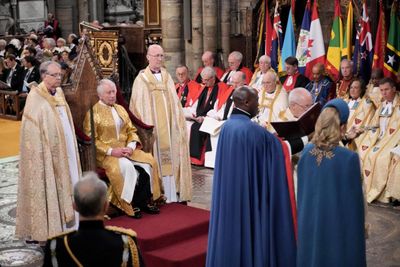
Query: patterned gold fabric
[[106, 138], [360, 116], [270, 106], [45, 192], [375, 153], [156, 103]]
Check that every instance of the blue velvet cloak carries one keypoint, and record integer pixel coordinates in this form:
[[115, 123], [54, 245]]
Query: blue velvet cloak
[[330, 210], [251, 221]]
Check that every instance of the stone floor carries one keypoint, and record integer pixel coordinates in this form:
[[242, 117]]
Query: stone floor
[[383, 246]]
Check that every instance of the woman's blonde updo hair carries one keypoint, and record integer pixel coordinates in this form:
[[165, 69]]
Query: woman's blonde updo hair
[[327, 129]]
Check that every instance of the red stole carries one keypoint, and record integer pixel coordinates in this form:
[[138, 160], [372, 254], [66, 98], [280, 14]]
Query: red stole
[[290, 82]]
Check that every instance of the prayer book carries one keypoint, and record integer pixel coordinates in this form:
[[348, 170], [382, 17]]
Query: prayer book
[[211, 126], [4, 86], [304, 125]]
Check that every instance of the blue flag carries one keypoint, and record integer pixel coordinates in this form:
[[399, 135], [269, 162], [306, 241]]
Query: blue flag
[[289, 47]]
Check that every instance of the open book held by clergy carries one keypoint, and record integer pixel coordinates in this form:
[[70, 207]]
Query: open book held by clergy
[[304, 125], [211, 126]]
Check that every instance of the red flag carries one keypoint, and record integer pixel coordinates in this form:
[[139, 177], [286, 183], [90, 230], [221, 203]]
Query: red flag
[[268, 30], [381, 39]]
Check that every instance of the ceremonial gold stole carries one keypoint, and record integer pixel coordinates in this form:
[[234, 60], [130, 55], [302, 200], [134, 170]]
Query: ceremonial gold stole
[[161, 104], [360, 115], [267, 102]]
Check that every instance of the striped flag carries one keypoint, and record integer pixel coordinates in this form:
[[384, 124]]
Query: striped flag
[[302, 44], [392, 53], [289, 47], [316, 47], [348, 35], [380, 40], [335, 44], [276, 43]]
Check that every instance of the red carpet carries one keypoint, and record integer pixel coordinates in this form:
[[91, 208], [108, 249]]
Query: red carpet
[[176, 237]]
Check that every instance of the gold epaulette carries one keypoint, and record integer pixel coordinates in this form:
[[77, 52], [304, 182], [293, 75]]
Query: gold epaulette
[[62, 234], [121, 230]]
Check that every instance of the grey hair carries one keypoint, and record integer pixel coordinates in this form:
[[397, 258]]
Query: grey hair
[[265, 58], [45, 65], [237, 55], [90, 195], [297, 94], [50, 41], [61, 40], [102, 84], [240, 74], [3, 42], [345, 60], [207, 72]]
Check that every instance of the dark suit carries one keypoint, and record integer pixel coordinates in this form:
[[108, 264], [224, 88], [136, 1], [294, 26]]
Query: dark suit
[[17, 79], [93, 245], [34, 76]]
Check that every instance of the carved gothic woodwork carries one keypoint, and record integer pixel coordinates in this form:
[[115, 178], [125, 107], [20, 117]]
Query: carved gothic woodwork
[[152, 14]]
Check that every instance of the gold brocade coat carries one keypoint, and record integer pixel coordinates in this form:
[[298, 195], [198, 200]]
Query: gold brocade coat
[[45, 190], [106, 138], [156, 103], [375, 154]]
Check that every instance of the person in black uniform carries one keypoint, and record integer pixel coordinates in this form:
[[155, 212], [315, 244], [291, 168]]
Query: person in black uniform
[[93, 244]]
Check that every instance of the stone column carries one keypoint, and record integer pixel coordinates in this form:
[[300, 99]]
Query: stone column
[[197, 35], [172, 34], [210, 25], [225, 30]]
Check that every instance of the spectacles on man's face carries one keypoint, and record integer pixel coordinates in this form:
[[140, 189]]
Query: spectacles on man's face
[[304, 107], [158, 55], [55, 75]]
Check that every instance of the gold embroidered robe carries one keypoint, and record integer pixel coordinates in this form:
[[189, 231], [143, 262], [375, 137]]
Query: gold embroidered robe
[[106, 138], [45, 192], [156, 103], [360, 115], [270, 106], [375, 153]]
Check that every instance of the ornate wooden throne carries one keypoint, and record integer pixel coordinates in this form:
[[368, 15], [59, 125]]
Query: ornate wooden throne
[[97, 59]]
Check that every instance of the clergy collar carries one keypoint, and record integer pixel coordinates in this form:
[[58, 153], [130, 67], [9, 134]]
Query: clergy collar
[[155, 71], [237, 110]]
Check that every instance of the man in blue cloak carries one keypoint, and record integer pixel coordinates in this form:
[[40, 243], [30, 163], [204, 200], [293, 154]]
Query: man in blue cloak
[[251, 220]]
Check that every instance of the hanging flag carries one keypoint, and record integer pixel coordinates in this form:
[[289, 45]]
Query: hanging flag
[[392, 53], [335, 44], [316, 45], [348, 34], [261, 33], [276, 43], [356, 51], [366, 46], [302, 44], [380, 39], [289, 47], [268, 30]]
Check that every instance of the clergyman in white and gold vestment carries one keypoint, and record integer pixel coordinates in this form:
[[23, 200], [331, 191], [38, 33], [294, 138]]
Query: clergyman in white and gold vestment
[[118, 152], [49, 161], [154, 101], [272, 101], [376, 147]]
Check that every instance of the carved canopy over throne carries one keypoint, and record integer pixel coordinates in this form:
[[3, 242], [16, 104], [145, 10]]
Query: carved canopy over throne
[[97, 59]]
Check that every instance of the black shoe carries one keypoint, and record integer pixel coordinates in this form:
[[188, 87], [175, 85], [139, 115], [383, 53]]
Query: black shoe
[[151, 209], [136, 214]]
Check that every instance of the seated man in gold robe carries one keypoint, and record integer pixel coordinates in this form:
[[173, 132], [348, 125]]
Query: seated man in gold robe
[[272, 100], [133, 174], [383, 134]]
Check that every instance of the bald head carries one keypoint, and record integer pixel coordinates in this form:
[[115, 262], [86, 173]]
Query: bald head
[[238, 79], [246, 98], [155, 56], [300, 100], [208, 59], [234, 60]]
